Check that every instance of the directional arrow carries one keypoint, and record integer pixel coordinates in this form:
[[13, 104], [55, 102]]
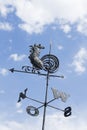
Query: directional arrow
[[36, 73]]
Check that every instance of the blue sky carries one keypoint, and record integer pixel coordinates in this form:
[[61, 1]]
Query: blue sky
[[23, 23]]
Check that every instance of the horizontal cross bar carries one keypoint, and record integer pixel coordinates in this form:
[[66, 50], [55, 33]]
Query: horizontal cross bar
[[51, 100], [55, 108], [21, 71], [34, 100]]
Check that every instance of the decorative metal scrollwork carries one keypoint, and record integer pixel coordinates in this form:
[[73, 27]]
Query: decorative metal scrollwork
[[26, 68], [30, 69], [50, 63], [33, 111]]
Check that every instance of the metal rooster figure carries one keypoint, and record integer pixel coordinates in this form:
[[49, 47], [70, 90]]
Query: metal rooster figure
[[49, 64], [34, 56]]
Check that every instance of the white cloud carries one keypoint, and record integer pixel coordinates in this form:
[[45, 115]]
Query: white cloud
[[35, 15], [17, 57], [38, 14], [80, 61], [66, 28], [18, 105], [60, 47], [30, 28], [82, 27], [56, 121], [20, 111], [70, 123], [5, 26], [3, 71], [4, 8]]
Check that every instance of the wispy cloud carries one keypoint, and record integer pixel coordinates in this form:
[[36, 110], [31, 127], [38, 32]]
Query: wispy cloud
[[3, 71], [66, 28], [82, 26], [5, 26], [2, 91], [60, 47], [6, 7], [18, 107], [80, 61], [17, 57]]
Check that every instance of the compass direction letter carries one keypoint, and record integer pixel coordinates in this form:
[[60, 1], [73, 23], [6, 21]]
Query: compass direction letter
[[58, 94]]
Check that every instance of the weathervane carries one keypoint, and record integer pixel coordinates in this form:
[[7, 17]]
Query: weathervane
[[49, 64]]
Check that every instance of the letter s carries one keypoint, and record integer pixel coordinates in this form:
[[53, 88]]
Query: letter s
[[67, 111]]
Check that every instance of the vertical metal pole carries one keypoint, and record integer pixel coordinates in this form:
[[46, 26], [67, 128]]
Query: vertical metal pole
[[45, 103], [46, 94]]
